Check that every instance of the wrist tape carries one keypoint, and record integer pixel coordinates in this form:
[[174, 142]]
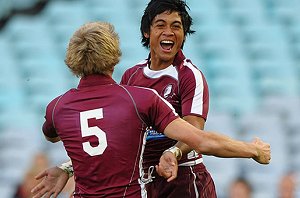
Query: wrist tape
[[176, 151], [68, 168]]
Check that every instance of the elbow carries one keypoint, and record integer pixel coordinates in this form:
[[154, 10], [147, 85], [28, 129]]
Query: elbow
[[203, 149], [53, 140], [207, 145]]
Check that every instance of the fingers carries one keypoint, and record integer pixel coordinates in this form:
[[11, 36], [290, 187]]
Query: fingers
[[263, 151], [163, 172], [71, 194], [41, 175], [48, 195], [43, 192], [55, 195], [170, 173], [157, 170], [36, 188], [40, 192], [173, 175]]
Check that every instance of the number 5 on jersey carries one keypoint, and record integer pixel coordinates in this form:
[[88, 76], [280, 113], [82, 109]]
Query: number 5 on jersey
[[89, 131]]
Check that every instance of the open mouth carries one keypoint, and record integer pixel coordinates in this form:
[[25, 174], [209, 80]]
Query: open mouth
[[167, 45]]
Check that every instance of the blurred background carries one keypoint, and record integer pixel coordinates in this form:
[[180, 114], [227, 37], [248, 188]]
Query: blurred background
[[249, 51]]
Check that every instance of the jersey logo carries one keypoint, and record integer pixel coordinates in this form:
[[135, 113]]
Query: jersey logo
[[168, 91]]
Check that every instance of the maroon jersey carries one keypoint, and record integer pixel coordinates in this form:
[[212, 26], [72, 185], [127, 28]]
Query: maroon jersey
[[101, 125], [185, 87]]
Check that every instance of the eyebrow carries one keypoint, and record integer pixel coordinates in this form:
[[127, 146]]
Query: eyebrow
[[161, 20]]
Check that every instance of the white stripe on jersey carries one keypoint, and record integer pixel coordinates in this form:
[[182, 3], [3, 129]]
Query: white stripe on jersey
[[194, 183], [170, 71], [142, 185], [197, 104]]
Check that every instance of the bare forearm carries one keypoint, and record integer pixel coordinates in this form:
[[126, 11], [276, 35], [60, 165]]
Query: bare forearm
[[223, 146], [210, 143]]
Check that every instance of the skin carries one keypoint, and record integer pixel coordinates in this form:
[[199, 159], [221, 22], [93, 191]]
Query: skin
[[165, 27], [53, 182]]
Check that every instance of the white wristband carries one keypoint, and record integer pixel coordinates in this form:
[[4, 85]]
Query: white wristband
[[68, 168]]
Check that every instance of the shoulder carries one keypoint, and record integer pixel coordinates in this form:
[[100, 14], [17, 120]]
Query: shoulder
[[188, 70], [54, 102], [143, 92], [137, 66], [188, 65], [129, 73]]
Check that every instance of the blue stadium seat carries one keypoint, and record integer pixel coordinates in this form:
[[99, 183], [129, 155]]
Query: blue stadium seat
[[285, 12], [12, 94], [5, 8], [270, 129], [244, 13], [204, 12], [224, 123], [62, 19], [24, 4]]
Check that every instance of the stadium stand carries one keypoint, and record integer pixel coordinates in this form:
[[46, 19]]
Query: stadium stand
[[249, 52]]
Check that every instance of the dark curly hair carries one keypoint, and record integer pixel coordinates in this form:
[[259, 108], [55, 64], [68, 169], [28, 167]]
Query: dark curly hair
[[156, 7]]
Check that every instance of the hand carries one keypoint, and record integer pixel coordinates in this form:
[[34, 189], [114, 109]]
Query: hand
[[54, 180], [263, 151], [168, 166]]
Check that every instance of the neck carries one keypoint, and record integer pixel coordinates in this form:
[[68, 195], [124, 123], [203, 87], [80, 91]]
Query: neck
[[158, 64]]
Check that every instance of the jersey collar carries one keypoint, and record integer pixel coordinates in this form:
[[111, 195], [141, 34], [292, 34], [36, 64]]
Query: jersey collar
[[94, 80], [179, 58]]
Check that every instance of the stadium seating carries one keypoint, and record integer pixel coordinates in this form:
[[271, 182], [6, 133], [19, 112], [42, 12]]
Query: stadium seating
[[5, 8], [223, 171], [269, 128], [249, 52]]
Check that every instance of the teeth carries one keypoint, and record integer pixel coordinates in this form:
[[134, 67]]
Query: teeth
[[167, 42]]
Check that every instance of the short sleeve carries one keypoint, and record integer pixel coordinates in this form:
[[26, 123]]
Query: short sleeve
[[48, 127], [194, 93]]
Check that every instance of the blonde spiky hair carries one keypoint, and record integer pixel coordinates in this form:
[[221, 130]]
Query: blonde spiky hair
[[93, 49]]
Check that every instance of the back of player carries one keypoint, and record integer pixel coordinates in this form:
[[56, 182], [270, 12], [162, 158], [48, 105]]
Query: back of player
[[102, 128]]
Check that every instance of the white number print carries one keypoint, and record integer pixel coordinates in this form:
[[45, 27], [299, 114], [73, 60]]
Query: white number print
[[89, 131]]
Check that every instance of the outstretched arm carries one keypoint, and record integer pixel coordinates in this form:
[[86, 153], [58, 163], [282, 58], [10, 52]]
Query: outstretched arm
[[211, 143]]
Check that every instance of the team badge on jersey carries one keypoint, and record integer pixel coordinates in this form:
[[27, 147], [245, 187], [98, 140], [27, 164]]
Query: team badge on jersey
[[168, 91]]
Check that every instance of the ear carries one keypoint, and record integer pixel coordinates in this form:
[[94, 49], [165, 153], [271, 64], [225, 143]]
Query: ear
[[146, 35]]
